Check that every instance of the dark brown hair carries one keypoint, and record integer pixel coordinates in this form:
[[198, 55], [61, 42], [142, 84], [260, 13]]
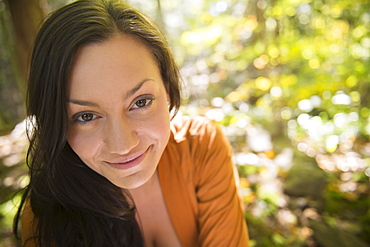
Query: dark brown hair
[[74, 205]]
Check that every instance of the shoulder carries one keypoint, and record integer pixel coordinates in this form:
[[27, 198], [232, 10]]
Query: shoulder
[[186, 128], [198, 136], [29, 224]]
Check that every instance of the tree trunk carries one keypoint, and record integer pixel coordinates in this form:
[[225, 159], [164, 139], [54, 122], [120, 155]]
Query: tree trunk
[[159, 17], [18, 26], [26, 16]]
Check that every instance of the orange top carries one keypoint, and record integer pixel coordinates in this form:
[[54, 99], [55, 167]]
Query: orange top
[[197, 177]]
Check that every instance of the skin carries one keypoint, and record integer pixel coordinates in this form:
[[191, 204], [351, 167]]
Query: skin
[[118, 110]]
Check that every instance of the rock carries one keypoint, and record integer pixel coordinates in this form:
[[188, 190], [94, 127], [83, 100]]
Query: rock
[[305, 178], [328, 236]]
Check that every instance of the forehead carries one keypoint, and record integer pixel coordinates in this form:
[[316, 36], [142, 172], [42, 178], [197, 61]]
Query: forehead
[[120, 59]]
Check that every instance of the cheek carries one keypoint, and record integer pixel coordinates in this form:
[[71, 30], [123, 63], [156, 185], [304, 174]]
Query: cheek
[[83, 144], [160, 130], [160, 125]]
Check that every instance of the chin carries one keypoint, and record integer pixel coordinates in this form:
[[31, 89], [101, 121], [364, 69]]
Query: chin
[[134, 181]]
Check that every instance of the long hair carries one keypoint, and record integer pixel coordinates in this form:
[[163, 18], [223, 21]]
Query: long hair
[[74, 205]]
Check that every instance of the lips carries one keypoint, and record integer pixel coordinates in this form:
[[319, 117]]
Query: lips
[[128, 162]]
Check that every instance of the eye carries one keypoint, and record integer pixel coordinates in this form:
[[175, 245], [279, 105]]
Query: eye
[[143, 102], [87, 117], [84, 117]]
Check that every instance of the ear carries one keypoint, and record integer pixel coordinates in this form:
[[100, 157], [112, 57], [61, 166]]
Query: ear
[[167, 86], [168, 99]]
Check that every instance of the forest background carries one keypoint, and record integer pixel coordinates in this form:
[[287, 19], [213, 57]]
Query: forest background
[[289, 82]]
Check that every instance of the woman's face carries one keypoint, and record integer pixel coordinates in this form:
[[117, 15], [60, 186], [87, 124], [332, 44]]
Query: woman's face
[[118, 111]]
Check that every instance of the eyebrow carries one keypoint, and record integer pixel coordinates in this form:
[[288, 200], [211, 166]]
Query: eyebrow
[[137, 88], [128, 95]]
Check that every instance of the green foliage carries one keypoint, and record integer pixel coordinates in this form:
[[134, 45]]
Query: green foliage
[[289, 81], [12, 178]]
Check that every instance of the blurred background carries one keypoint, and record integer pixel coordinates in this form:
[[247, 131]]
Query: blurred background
[[289, 82]]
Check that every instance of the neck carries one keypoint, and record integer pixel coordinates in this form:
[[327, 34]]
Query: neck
[[146, 188]]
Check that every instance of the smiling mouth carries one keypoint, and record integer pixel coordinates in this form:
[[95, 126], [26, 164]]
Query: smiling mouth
[[129, 163]]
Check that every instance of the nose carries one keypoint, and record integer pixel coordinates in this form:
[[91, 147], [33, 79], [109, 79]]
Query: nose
[[121, 136]]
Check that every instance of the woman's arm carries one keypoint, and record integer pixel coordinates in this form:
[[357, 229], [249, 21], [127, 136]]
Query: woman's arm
[[221, 217]]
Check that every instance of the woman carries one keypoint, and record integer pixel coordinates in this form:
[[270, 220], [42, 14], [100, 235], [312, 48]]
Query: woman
[[108, 166]]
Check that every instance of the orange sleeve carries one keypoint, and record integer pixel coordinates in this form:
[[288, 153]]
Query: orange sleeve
[[221, 216]]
